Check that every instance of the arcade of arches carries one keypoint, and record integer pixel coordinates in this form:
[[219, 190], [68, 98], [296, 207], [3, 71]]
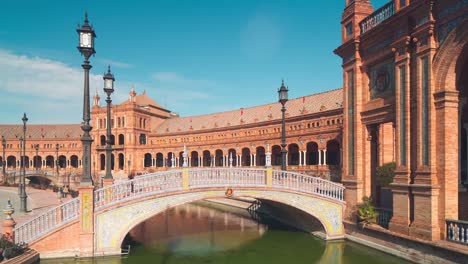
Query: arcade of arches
[[404, 100]]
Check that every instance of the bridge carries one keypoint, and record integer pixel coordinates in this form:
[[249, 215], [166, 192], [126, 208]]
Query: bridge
[[14, 176], [96, 222]]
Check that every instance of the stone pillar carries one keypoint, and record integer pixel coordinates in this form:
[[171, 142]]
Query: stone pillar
[[185, 178], [305, 157], [319, 157], [255, 159], [9, 223], [324, 157], [460, 184], [269, 176], [240, 160], [86, 220]]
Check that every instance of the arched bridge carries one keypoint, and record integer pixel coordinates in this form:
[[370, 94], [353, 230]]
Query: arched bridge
[[14, 176], [97, 221]]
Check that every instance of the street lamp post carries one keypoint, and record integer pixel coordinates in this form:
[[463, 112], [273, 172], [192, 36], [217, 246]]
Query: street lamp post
[[283, 98], [3, 159], [57, 146], [108, 89], [86, 47], [23, 196], [36, 147]]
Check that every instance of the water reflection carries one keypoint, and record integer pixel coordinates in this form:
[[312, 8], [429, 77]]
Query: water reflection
[[206, 232], [195, 229]]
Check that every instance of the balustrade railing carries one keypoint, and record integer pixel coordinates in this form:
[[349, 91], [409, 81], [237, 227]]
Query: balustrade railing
[[377, 17], [308, 184], [47, 221], [383, 219], [139, 187], [224, 177], [457, 231]]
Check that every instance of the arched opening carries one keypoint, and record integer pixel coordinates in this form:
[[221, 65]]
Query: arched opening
[[159, 160], [62, 161], [147, 160], [121, 139], [219, 158], [312, 153], [121, 161], [74, 161], [112, 162], [37, 162], [112, 139], [232, 157], [181, 159], [293, 154], [103, 162], [261, 160], [276, 155], [103, 140], [50, 161], [246, 158], [333, 152], [26, 162], [169, 158], [11, 162], [206, 158], [194, 159]]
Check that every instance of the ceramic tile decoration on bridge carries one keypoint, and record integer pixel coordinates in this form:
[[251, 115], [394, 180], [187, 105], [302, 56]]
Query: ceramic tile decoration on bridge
[[123, 205]]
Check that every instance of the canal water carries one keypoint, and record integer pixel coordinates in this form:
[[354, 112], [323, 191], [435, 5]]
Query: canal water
[[206, 232]]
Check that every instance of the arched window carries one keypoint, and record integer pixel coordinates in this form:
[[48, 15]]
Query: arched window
[[159, 160], [333, 152], [219, 158], [261, 161], [206, 158], [148, 160], [246, 158], [121, 139], [293, 154], [312, 153], [276, 155], [103, 140], [74, 161]]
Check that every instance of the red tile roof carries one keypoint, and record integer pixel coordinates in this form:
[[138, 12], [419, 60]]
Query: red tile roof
[[324, 101], [72, 131]]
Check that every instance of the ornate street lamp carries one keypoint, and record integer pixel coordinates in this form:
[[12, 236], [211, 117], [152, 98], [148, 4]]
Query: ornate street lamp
[[3, 159], [23, 195], [108, 89], [57, 146], [36, 147], [86, 47], [283, 98]]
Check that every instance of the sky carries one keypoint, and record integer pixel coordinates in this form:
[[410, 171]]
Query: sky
[[192, 57]]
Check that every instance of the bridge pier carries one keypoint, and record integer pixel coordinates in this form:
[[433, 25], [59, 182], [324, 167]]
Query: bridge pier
[[86, 220]]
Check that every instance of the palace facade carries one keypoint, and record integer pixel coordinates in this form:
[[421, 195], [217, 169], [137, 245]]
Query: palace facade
[[404, 100]]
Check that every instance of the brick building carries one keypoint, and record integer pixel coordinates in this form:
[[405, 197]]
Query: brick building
[[405, 74], [404, 100]]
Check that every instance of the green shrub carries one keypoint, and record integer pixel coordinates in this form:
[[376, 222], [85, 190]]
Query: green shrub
[[385, 174], [366, 211]]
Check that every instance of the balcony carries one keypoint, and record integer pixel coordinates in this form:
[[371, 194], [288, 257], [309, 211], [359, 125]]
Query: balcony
[[379, 16]]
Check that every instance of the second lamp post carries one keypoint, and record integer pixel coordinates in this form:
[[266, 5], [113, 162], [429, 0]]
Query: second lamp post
[[283, 98], [108, 89]]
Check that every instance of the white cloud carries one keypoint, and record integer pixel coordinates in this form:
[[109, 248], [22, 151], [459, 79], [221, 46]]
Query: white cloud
[[50, 90]]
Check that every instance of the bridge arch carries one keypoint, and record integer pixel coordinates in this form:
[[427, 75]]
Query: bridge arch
[[125, 217]]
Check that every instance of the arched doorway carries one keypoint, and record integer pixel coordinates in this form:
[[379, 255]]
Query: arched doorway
[[50, 161], [169, 158], [121, 161], [333, 152], [194, 159], [62, 161], [246, 158], [312, 153], [147, 160], [232, 157], [293, 154], [261, 157], [103, 162], [206, 158], [37, 162], [11, 162], [219, 158], [276, 155], [121, 139], [159, 160], [74, 161]]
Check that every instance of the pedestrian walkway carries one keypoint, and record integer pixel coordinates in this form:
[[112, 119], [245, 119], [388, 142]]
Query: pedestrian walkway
[[38, 202]]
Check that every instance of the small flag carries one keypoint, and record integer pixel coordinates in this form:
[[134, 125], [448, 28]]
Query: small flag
[[303, 99], [242, 111]]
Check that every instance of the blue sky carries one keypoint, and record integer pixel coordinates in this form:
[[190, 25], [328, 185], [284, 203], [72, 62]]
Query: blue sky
[[192, 57]]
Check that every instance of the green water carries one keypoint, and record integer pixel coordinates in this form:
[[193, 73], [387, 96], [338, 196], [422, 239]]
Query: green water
[[208, 233]]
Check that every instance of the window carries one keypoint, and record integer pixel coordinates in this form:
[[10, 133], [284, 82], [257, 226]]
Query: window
[[402, 3], [349, 29], [142, 139]]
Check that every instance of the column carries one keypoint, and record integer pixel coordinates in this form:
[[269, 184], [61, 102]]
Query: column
[[319, 157], [466, 180], [254, 159], [324, 157], [240, 159]]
